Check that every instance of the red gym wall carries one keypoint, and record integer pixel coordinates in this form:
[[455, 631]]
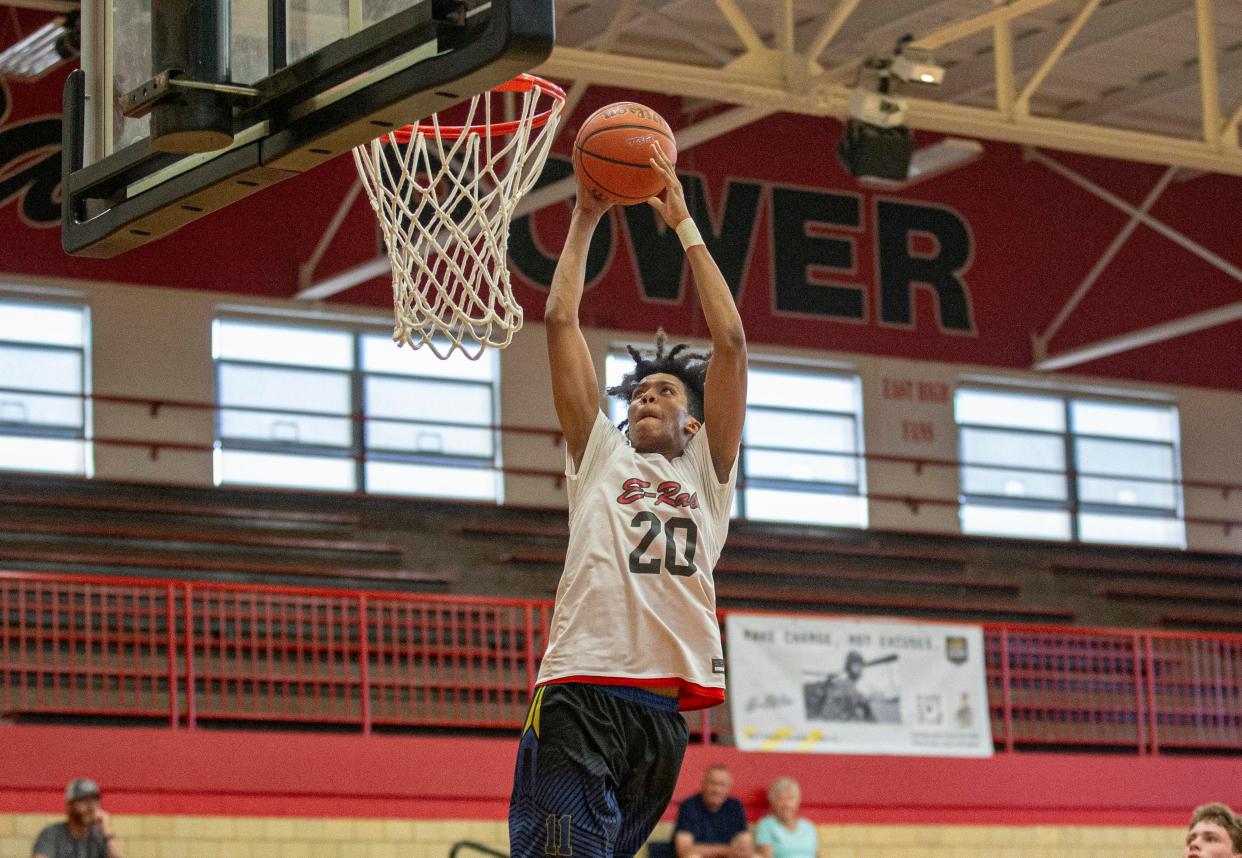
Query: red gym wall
[[1031, 237], [161, 771]]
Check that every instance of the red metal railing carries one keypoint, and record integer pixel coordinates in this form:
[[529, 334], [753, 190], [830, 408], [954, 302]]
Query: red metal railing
[[189, 652]]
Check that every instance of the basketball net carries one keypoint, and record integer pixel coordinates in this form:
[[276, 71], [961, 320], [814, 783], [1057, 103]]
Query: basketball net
[[445, 195]]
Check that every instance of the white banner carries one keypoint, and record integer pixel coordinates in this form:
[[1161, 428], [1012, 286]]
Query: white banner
[[857, 687]]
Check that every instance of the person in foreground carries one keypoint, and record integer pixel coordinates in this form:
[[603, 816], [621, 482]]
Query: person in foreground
[[634, 636], [87, 829], [781, 834], [711, 823], [1215, 832]]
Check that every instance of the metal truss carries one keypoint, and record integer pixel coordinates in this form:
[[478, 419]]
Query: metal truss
[[771, 73], [1145, 336]]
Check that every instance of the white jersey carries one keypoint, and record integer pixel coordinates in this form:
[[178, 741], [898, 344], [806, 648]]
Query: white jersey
[[636, 604]]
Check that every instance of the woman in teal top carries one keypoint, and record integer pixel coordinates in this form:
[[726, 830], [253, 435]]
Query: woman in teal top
[[781, 834]]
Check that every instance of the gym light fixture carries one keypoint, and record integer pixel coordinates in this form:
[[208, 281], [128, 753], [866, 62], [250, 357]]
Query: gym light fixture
[[927, 162], [876, 142], [915, 65]]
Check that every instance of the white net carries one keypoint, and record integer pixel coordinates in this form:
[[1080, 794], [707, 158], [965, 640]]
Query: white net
[[445, 196]]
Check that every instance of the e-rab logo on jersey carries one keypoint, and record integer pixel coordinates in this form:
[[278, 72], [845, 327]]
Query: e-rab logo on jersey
[[668, 493]]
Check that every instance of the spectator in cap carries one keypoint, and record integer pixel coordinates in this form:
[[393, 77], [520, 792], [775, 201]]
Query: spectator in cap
[[87, 830], [1215, 832]]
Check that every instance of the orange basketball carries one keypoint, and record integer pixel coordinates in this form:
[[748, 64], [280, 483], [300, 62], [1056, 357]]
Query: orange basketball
[[613, 148]]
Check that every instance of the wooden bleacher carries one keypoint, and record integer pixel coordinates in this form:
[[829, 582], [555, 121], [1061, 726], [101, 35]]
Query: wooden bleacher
[[831, 576], [729, 567], [737, 542], [1229, 597], [233, 535], [1202, 621], [1186, 608], [1226, 570], [245, 515], [131, 533], [312, 539], [166, 564]]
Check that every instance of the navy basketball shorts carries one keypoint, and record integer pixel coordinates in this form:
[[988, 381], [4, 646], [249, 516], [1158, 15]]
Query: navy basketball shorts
[[596, 768]]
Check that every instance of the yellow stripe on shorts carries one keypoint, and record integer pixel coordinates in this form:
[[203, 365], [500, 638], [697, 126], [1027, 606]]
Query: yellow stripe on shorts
[[532, 714]]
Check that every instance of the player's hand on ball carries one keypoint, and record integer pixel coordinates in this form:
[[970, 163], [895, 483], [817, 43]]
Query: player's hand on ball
[[673, 207], [592, 202]]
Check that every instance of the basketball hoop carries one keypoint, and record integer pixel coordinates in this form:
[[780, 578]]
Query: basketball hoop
[[444, 195]]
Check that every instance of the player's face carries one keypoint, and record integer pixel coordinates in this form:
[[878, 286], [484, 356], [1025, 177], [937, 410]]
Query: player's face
[[659, 419], [1209, 840]]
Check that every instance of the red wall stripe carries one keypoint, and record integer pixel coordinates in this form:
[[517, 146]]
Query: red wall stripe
[[159, 771]]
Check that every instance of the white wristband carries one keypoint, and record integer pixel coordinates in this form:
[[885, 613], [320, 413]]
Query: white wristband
[[688, 232]]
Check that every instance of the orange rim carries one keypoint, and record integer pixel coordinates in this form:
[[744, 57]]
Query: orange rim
[[521, 83]]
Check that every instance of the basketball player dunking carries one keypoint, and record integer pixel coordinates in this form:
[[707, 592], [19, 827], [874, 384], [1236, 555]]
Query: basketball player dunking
[[634, 636]]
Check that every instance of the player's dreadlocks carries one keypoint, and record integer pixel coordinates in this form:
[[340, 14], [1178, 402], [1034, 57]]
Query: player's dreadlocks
[[690, 367]]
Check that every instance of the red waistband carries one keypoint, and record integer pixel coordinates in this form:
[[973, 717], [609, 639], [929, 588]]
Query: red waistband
[[689, 695]]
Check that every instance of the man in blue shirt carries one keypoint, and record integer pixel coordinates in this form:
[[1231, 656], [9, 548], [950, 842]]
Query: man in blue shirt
[[711, 824]]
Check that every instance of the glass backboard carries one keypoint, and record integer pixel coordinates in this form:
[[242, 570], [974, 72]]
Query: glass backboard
[[296, 83]]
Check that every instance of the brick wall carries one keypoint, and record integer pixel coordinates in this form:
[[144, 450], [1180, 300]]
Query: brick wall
[[288, 837]]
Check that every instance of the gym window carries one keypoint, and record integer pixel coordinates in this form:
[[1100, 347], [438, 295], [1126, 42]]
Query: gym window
[[347, 410], [801, 447], [44, 413], [1086, 468]]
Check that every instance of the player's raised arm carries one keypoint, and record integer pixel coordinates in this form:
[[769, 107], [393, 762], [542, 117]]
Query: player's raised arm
[[724, 391], [575, 389]]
